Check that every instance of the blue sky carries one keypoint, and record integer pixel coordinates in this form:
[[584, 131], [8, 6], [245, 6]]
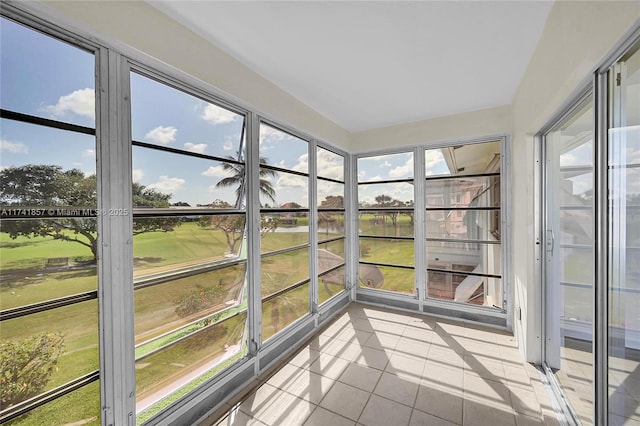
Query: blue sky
[[48, 78]]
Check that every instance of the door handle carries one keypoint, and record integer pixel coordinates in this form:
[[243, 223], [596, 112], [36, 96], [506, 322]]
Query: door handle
[[551, 241]]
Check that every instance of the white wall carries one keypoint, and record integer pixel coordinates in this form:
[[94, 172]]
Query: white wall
[[136, 25], [467, 125], [576, 39]]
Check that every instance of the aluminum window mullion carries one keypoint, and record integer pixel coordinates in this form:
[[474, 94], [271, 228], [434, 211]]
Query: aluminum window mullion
[[252, 170], [352, 252], [115, 245], [313, 228]]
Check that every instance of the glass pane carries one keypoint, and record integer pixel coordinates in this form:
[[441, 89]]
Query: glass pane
[[331, 284], [80, 407], [278, 148], [393, 252], [187, 362], [168, 307], [463, 224], [40, 166], [330, 165], [163, 179], [386, 223], [330, 255], [624, 238], [37, 268], [468, 192], [468, 257], [162, 115], [45, 77], [461, 160], [385, 195], [385, 167], [331, 281], [330, 225], [287, 190], [330, 195], [284, 309], [283, 270], [399, 280], [569, 295], [63, 343], [162, 244], [283, 230], [463, 288]]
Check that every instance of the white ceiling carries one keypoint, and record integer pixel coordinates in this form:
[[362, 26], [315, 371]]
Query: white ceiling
[[365, 65]]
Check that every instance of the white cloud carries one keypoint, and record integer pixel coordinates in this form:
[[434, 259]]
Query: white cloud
[[385, 164], [76, 164], [199, 148], [89, 153], [433, 158], [137, 175], [167, 184], [216, 171], [80, 102], [373, 179], [292, 181], [402, 171], [216, 115], [13, 147], [162, 135], [330, 165], [228, 145]]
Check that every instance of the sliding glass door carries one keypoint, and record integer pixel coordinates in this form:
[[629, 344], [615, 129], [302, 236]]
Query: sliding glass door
[[569, 256]]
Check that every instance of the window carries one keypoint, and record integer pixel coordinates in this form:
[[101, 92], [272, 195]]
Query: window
[[463, 224], [48, 230], [385, 220], [331, 235], [188, 240], [284, 221]]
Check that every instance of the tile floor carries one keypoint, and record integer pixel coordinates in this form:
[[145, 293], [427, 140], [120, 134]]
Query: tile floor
[[372, 366]]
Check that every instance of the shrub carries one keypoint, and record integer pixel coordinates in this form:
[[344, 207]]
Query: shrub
[[27, 365]]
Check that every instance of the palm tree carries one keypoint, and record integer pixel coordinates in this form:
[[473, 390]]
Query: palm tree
[[237, 179]]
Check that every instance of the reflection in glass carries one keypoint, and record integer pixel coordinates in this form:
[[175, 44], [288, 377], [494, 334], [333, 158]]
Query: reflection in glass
[[45, 77], [391, 251], [183, 180], [329, 165], [331, 270], [569, 295], [183, 362], [166, 307], [331, 283], [624, 239], [387, 278], [464, 288], [461, 160], [283, 150], [463, 224], [385, 195], [330, 195], [283, 270], [81, 406], [282, 310], [391, 223], [178, 120], [463, 192], [470, 257], [330, 225], [39, 268], [66, 340], [385, 167]]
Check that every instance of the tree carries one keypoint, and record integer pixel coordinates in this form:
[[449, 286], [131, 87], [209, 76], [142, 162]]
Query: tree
[[330, 202], [386, 201], [233, 224], [27, 365], [237, 180], [51, 186]]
